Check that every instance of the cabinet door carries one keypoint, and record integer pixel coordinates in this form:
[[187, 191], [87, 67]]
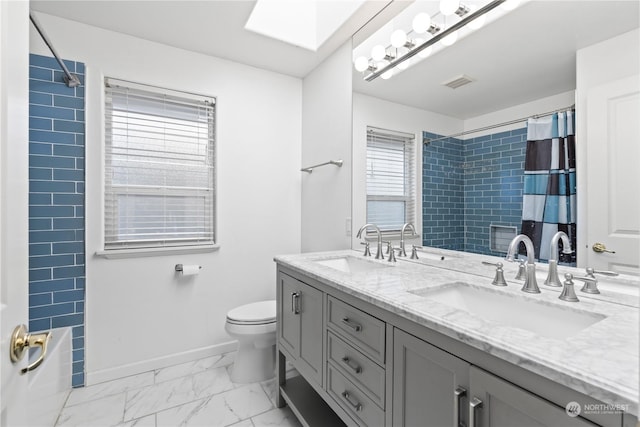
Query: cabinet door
[[300, 327], [311, 328], [425, 381], [506, 405], [289, 325]]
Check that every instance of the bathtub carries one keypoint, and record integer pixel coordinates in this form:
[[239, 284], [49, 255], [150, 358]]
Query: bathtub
[[50, 383]]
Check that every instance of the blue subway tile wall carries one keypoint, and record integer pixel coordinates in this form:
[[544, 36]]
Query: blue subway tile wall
[[493, 182], [442, 193], [56, 204], [469, 185]]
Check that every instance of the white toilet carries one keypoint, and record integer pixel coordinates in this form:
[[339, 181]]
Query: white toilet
[[254, 326]]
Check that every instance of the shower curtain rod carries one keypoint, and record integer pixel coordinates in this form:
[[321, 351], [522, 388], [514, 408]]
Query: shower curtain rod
[[428, 141], [71, 80]]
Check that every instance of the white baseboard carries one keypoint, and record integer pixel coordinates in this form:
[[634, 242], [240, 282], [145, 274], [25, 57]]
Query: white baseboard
[[158, 363]]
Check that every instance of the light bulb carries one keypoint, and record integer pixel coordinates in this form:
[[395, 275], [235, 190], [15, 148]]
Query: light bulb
[[398, 38], [361, 63], [378, 52], [478, 22], [510, 4], [421, 22], [449, 7], [450, 39]]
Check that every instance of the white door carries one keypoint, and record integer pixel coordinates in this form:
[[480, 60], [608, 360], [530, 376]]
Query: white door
[[14, 188], [613, 169]]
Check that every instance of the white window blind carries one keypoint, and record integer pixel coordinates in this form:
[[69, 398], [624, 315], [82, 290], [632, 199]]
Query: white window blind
[[391, 182], [159, 167]]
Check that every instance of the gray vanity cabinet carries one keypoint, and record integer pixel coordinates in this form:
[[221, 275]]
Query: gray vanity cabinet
[[429, 385], [364, 366], [434, 388], [506, 405], [301, 326]]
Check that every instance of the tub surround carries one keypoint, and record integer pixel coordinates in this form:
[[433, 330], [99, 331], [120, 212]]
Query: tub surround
[[608, 373], [56, 203]]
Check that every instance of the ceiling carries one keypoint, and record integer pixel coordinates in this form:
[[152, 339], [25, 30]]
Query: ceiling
[[211, 27], [527, 55]]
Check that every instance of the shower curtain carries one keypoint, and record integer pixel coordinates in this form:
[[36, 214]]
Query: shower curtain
[[549, 194]]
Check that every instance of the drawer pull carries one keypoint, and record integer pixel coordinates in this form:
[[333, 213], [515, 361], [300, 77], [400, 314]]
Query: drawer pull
[[356, 327], [474, 405], [355, 404], [295, 302], [458, 394], [356, 368]]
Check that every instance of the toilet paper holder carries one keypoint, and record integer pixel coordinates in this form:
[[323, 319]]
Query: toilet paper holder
[[179, 268]]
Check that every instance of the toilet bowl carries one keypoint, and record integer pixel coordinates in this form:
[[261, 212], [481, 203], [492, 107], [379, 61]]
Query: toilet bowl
[[254, 326]]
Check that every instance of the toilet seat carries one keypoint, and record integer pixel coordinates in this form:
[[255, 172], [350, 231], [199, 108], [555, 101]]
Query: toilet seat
[[257, 313]]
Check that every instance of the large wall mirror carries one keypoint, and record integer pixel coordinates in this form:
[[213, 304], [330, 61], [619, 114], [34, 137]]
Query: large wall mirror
[[524, 63]]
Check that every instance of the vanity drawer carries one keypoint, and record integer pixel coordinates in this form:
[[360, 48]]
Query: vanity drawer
[[357, 367], [353, 400], [366, 332]]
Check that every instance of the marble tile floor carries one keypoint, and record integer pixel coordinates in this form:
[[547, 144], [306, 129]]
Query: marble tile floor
[[198, 393]]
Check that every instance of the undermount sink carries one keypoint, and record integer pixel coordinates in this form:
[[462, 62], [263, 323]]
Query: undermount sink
[[511, 310], [351, 265]]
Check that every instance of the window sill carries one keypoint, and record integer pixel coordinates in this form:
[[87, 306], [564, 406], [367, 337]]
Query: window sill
[[150, 252]]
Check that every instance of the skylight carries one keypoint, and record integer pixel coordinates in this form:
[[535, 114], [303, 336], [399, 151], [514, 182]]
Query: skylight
[[304, 23]]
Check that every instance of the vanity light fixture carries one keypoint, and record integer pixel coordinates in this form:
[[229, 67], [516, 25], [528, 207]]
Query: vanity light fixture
[[384, 60]]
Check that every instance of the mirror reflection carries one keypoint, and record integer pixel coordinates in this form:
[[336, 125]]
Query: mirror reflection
[[470, 102]]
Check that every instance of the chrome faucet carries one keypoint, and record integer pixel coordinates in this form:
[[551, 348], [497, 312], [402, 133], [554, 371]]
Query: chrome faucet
[[530, 284], [552, 277], [413, 233], [375, 227]]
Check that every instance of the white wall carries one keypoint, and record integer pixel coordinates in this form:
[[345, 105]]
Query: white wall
[[326, 135], [600, 63], [139, 315], [516, 112], [370, 111]]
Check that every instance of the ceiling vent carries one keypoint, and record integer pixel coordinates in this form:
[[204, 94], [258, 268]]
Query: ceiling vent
[[456, 82]]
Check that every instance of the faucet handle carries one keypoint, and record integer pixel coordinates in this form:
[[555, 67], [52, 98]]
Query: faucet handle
[[590, 284], [414, 251], [367, 249], [521, 275], [391, 251], [568, 293], [591, 272], [498, 280]]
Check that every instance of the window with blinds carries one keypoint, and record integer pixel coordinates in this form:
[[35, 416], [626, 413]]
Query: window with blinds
[[159, 167], [391, 182]]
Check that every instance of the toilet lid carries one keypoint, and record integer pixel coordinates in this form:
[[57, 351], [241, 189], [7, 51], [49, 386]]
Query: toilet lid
[[257, 312]]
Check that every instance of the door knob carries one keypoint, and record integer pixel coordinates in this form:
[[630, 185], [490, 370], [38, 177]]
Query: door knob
[[21, 340], [599, 248]]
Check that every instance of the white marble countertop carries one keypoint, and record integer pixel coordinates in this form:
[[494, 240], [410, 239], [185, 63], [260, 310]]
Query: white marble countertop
[[601, 360]]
